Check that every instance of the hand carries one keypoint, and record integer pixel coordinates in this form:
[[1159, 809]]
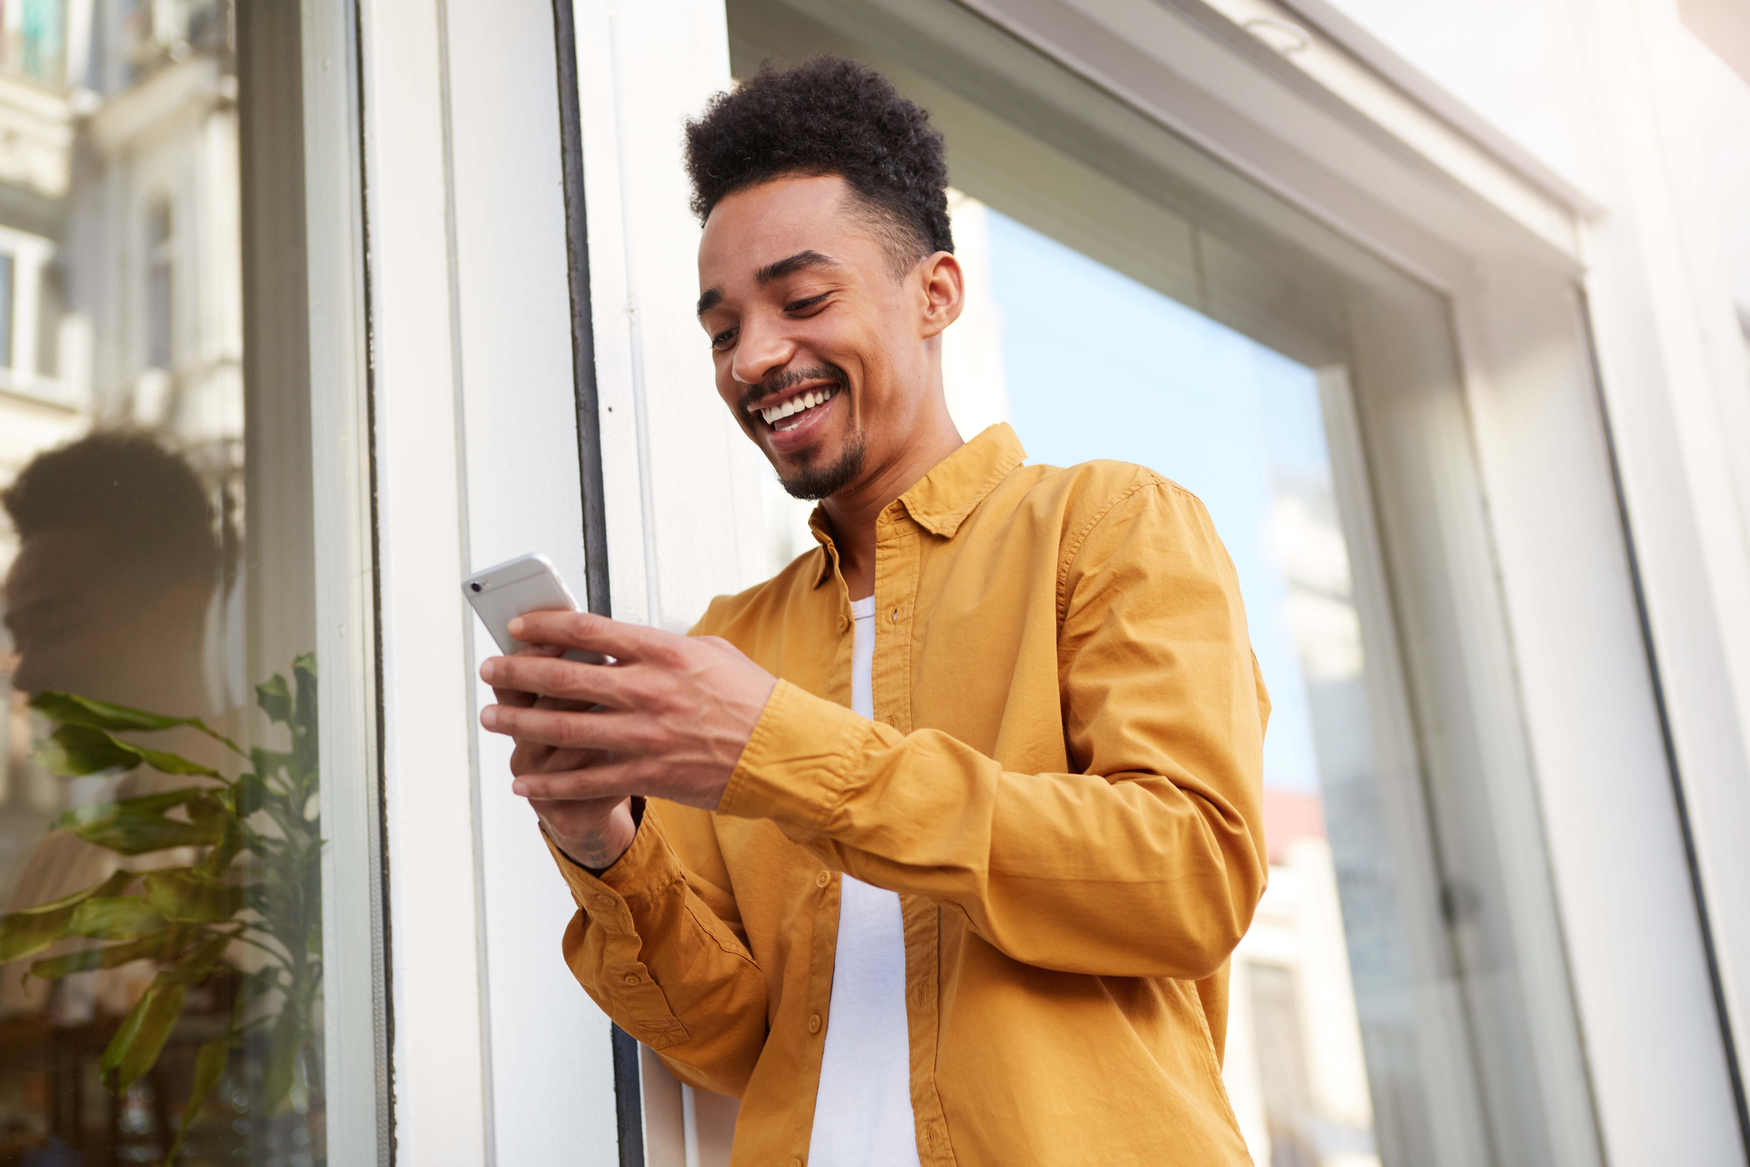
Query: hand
[[674, 715], [593, 832]]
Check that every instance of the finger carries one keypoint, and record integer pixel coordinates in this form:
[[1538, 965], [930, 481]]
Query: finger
[[587, 630], [619, 732], [567, 680], [613, 780], [561, 703], [514, 697], [507, 695], [534, 759]]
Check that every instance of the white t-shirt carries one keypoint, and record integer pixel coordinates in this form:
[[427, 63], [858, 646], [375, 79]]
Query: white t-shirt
[[862, 1115]]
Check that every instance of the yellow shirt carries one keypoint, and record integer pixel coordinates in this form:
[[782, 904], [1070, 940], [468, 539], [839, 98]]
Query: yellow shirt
[[1062, 782]]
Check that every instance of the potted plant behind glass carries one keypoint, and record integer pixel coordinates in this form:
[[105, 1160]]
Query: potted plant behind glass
[[244, 919]]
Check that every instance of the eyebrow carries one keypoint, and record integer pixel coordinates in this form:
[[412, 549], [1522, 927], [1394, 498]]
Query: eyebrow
[[789, 265]]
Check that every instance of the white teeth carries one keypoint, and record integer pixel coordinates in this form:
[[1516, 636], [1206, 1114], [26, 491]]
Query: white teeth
[[796, 404]]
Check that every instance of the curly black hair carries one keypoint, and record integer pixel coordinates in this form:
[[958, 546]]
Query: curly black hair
[[147, 502], [828, 116]]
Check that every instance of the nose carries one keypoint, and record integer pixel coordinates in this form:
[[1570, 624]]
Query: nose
[[760, 350]]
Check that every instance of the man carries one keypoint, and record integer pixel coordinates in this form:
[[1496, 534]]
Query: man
[[107, 598], [117, 562], [961, 886]]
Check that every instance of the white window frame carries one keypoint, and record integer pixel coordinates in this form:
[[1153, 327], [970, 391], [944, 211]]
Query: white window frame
[[355, 1016]]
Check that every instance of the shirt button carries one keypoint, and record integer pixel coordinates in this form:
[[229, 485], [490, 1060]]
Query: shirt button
[[605, 901], [842, 623], [632, 978], [795, 1163], [814, 1023], [823, 879]]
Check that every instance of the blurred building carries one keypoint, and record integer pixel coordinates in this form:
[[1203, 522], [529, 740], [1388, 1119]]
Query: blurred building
[[120, 307], [120, 268]]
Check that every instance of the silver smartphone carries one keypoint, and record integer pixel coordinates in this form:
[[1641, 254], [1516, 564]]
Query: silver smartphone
[[528, 583]]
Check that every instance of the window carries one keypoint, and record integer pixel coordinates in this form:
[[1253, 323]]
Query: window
[[48, 321], [160, 289], [1401, 998], [168, 944], [8, 289], [34, 46]]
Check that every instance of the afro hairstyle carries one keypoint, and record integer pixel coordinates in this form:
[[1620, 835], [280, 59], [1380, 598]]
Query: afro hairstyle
[[147, 502], [828, 116]]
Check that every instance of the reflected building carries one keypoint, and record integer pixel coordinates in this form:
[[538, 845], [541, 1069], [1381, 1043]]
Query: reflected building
[[120, 309], [119, 265]]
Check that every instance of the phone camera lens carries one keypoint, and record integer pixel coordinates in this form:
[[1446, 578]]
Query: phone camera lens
[[475, 586]]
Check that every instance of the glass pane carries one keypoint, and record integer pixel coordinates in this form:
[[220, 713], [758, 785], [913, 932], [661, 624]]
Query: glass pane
[[162, 980]]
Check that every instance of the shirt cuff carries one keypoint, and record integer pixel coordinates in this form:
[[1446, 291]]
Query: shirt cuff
[[648, 866], [797, 766]]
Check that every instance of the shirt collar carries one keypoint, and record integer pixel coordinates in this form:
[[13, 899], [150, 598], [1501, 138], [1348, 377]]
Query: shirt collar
[[940, 501]]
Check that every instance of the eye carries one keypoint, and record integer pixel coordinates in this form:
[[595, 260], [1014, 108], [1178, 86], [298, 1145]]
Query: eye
[[722, 339], [804, 305]]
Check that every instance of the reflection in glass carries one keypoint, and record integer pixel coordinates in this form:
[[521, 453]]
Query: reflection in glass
[[160, 877]]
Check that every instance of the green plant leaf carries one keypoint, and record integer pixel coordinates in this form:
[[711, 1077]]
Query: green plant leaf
[[72, 709], [26, 933], [270, 763], [304, 675], [198, 963], [275, 698], [209, 1067], [284, 1046], [76, 750], [249, 795], [156, 946], [207, 811], [114, 918], [134, 826], [136, 1045], [30, 931], [219, 858], [183, 895]]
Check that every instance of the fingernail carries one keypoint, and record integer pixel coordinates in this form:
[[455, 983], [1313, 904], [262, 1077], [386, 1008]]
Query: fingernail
[[489, 717], [519, 787], [516, 627], [489, 670]]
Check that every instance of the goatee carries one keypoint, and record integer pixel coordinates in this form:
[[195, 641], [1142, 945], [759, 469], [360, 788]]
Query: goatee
[[813, 483]]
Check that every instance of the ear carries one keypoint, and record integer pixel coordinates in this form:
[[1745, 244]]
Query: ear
[[942, 284]]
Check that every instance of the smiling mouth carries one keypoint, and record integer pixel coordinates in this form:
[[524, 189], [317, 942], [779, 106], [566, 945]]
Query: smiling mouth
[[793, 411]]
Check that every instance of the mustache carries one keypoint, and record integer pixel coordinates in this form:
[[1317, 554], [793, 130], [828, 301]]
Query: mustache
[[789, 379]]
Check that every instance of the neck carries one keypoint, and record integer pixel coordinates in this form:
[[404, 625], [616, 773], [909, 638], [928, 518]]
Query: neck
[[166, 676], [854, 509]]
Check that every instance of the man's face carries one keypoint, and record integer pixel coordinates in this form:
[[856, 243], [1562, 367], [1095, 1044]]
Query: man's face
[[82, 623], [807, 317]]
